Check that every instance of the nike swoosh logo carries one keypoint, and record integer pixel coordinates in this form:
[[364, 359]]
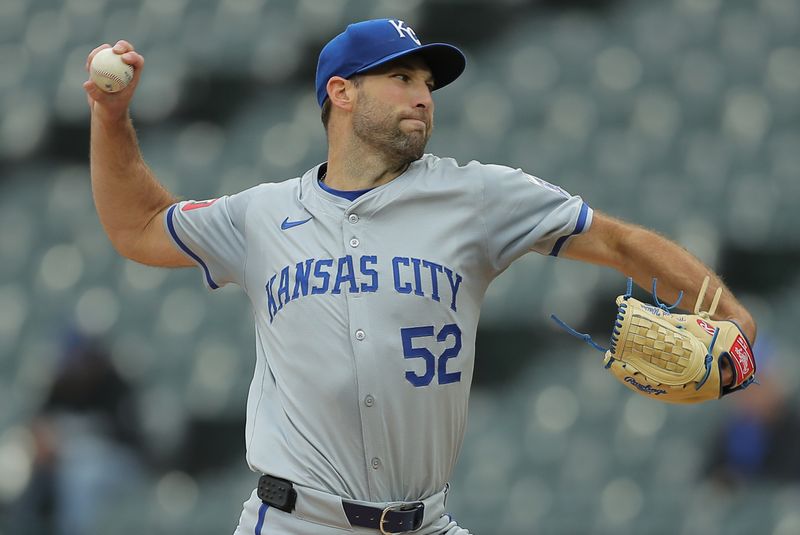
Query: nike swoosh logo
[[286, 225]]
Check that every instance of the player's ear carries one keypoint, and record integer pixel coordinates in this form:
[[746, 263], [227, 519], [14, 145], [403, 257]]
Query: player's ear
[[341, 92]]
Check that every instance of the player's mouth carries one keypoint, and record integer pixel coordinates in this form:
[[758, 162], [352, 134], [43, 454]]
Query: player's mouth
[[419, 122]]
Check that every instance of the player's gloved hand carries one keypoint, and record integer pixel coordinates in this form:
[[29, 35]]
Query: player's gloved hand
[[114, 105], [676, 357]]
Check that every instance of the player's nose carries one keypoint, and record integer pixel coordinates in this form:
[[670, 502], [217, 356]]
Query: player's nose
[[423, 97]]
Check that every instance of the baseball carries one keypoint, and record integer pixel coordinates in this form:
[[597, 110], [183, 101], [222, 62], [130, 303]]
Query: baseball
[[109, 72]]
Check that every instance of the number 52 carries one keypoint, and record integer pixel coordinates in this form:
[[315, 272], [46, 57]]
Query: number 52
[[431, 368]]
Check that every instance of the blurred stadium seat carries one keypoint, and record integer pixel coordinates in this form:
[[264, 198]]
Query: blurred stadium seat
[[682, 116]]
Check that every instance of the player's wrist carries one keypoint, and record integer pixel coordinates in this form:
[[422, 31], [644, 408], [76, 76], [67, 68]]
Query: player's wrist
[[748, 328], [734, 312], [726, 373], [110, 116]]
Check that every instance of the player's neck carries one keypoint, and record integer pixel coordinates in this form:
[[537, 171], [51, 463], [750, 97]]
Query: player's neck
[[360, 169]]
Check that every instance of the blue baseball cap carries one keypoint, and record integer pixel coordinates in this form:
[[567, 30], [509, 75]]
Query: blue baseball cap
[[366, 45]]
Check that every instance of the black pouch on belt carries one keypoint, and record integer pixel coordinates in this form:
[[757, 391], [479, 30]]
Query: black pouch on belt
[[276, 492]]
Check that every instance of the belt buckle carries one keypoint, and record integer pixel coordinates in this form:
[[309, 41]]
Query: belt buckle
[[383, 520], [396, 507]]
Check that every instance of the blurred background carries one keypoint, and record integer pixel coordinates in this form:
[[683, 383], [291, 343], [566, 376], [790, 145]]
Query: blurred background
[[122, 388]]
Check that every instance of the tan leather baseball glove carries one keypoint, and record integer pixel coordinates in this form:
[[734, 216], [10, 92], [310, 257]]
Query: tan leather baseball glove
[[675, 357]]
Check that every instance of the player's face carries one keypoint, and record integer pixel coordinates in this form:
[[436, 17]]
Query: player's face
[[394, 111]]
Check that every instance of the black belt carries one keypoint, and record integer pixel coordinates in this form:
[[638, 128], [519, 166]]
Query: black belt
[[280, 493]]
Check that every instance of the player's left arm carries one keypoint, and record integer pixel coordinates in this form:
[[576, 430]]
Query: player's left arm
[[643, 254]]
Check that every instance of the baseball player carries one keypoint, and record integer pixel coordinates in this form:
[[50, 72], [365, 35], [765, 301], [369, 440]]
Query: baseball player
[[366, 276]]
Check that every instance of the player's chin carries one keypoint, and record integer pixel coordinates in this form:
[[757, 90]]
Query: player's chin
[[414, 147]]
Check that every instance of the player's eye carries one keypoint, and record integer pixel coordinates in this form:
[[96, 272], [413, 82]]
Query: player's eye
[[403, 77]]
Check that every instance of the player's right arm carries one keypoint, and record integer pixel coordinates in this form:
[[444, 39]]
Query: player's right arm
[[129, 200], [643, 254]]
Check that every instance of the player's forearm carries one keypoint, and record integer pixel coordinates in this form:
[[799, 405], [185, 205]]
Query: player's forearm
[[644, 255], [127, 195]]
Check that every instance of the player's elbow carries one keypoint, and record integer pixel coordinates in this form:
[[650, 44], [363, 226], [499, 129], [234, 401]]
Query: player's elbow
[[152, 251], [146, 243], [127, 244]]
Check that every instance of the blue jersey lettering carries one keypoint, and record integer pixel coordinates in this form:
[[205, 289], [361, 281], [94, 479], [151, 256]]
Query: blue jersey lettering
[[396, 261], [372, 286], [301, 273], [345, 274], [435, 269], [283, 288], [454, 284], [272, 308], [324, 276], [417, 277], [311, 277]]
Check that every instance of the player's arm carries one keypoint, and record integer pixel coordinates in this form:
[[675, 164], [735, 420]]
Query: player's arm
[[129, 200], [643, 254]]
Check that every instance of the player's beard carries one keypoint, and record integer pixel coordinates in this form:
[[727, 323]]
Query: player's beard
[[376, 125]]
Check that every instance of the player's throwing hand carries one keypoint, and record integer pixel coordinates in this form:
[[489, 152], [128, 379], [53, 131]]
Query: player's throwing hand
[[114, 104]]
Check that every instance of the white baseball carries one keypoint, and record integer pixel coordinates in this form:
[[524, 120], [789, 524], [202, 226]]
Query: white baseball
[[109, 72]]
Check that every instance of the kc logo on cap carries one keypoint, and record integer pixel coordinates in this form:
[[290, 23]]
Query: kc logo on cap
[[401, 28], [368, 44]]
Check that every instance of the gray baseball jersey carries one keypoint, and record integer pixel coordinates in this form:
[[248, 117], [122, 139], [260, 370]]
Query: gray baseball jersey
[[366, 312]]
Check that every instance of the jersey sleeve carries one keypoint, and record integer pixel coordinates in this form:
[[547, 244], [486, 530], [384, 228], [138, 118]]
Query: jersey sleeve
[[212, 234], [524, 213]]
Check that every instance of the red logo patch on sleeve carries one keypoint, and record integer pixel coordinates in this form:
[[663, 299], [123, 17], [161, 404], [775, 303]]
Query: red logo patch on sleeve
[[199, 204]]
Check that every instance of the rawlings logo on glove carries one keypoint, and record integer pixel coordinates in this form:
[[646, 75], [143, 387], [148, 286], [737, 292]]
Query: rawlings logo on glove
[[674, 357]]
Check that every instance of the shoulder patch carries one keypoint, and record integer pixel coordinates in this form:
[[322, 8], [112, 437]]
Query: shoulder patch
[[194, 205], [545, 184]]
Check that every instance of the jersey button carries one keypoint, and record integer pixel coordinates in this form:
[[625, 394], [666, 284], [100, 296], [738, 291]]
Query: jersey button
[[353, 218], [360, 335], [354, 242], [376, 463], [369, 401]]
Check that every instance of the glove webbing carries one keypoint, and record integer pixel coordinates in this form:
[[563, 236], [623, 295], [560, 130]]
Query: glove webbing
[[648, 329]]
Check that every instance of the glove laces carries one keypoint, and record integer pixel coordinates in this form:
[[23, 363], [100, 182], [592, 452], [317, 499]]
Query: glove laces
[[709, 357], [663, 306], [702, 296], [615, 334], [583, 336]]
